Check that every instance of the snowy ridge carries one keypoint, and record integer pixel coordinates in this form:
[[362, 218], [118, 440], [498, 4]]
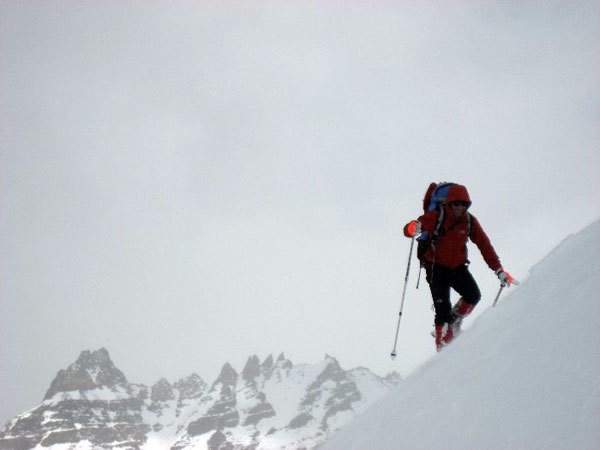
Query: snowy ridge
[[524, 376], [268, 405]]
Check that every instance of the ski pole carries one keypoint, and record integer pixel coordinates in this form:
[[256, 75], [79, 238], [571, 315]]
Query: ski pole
[[412, 243], [498, 296]]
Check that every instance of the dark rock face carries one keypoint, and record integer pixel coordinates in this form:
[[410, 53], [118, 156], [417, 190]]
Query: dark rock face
[[223, 413], [92, 401], [79, 405], [300, 421], [90, 371], [213, 421], [190, 387], [70, 421], [123, 435], [218, 441], [227, 378], [263, 410], [162, 391]]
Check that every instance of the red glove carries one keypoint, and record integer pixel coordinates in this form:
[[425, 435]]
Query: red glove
[[412, 228], [505, 278]]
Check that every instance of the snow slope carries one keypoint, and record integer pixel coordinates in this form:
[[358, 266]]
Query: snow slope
[[525, 375]]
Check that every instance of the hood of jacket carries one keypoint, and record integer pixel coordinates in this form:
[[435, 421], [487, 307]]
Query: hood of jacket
[[458, 192]]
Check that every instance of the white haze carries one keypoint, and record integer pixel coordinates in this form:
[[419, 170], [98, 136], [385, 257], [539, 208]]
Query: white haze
[[187, 183], [525, 376]]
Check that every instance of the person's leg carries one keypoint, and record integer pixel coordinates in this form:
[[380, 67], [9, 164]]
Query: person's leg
[[439, 281], [462, 281], [438, 278]]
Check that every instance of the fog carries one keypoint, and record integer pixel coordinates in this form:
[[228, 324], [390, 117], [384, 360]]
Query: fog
[[192, 183]]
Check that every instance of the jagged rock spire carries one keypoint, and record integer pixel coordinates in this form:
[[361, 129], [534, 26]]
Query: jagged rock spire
[[227, 377], [267, 363], [92, 370], [251, 369], [96, 404]]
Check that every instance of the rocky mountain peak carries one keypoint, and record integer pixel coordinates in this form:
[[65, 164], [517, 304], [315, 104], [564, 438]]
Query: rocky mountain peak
[[283, 362], [92, 370], [269, 405], [89, 359], [267, 364], [190, 387], [251, 369], [162, 391], [332, 371], [227, 377]]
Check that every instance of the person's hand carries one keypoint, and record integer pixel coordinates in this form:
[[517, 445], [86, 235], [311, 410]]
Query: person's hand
[[506, 279], [413, 228]]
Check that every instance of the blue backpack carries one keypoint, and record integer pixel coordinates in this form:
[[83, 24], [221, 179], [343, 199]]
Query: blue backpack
[[436, 195]]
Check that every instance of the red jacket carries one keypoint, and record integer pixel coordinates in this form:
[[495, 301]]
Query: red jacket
[[450, 248]]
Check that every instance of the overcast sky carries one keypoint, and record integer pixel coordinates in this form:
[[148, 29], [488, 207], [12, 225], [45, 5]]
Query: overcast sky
[[191, 183]]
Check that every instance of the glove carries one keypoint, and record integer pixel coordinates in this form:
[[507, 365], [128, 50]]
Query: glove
[[506, 279], [413, 228]]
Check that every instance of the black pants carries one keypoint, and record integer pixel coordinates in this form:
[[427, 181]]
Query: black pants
[[441, 279]]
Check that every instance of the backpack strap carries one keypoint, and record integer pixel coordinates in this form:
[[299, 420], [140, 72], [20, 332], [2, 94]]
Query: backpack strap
[[439, 222], [469, 222]]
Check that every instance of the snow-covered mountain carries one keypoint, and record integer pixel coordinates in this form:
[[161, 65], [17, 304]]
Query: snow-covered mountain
[[525, 375], [273, 404]]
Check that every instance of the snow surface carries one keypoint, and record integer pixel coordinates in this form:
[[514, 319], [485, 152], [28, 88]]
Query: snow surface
[[100, 394], [525, 375]]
